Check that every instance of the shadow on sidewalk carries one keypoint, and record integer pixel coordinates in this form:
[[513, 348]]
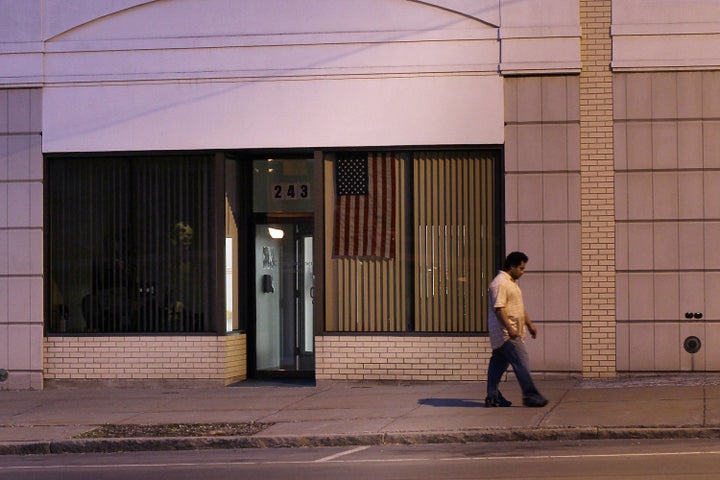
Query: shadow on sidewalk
[[450, 402]]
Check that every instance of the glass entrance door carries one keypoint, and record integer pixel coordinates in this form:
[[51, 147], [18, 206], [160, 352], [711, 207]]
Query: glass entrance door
[[282, 337], [284, 289]]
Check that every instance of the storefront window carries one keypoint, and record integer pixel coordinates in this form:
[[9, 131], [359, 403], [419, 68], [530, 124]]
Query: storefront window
[[130, 245], [446, 239]]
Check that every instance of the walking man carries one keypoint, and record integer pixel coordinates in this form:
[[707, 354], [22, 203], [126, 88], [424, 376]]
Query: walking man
[[507, 324]]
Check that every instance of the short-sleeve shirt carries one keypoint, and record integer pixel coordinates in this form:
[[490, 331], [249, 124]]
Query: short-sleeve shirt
[[505, 292]]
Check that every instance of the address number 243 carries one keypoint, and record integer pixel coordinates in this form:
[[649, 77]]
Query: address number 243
[[290, 191]]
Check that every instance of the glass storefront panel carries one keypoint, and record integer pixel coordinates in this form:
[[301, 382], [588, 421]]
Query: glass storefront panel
[[130, 244]]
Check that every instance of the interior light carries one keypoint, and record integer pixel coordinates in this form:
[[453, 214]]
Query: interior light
[[276, 232]]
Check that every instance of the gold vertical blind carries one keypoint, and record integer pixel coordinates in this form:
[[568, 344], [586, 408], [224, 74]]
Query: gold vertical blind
[[370, 294], [439, 277], [453, 240]]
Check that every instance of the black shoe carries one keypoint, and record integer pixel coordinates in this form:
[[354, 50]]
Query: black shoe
[[498, 401], [535, 401]]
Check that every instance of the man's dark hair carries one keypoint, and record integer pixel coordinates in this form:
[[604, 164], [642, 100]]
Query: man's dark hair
[[514, 259]]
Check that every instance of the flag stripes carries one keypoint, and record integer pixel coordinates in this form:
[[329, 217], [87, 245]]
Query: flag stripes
[[365, 224]]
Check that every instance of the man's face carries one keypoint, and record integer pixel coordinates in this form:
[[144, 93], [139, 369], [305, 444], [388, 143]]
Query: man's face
[[517, 271]]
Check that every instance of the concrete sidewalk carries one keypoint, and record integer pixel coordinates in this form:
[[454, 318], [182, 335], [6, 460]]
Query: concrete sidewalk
[[361, 413]]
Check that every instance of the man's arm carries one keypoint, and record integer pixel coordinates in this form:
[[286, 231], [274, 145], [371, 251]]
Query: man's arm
[[500, 312], [530, 326]]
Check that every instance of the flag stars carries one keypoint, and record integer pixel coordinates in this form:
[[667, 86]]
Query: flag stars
[[351, 176]]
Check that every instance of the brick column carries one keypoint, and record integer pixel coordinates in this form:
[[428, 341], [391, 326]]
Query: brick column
[[597, 191]]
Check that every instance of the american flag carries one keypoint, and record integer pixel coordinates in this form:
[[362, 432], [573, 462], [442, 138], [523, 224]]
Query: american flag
[[365, 206]]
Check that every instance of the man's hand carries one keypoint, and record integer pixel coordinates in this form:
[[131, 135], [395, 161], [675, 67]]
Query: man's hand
[[532, 330]]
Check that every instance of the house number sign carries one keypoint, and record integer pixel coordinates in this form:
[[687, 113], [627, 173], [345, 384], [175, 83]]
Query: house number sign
[[290, 191]]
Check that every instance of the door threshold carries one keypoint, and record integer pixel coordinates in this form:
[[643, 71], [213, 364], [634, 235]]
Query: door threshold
[[284, 375], [278, 382]]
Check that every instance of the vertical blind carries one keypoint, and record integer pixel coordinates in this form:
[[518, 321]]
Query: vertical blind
[[370, 293], [452, 241], [131, 244]]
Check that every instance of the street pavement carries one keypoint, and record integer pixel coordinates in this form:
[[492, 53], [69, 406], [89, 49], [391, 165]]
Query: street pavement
[[342, 413]]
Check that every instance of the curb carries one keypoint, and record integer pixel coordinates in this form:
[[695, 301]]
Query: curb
[[410, 438]]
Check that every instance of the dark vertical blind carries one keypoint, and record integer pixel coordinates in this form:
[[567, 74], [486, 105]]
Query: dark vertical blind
[[131, 244]]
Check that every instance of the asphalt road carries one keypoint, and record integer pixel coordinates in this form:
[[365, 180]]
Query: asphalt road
[[616, 459]]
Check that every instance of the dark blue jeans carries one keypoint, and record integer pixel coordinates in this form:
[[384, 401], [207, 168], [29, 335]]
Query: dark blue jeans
[[512, 352]]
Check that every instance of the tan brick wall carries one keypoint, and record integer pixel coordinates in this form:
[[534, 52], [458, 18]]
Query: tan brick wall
[[597, 191], [215, 359], [235, 358], [416, 358]]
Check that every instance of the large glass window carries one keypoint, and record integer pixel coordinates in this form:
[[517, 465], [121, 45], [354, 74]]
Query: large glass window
[[446, 248], [130, 244]]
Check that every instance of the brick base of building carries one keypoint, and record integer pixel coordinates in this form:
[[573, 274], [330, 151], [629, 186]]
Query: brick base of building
[[401, 357], [146, 360]]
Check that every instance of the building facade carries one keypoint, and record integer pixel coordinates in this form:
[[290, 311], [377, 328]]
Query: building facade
[[199, 190]]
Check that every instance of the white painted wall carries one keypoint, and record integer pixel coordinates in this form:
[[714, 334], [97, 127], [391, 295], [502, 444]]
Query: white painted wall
[[170, 76], [536, 35], [665, 34], [299, 113], [540, 36]]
